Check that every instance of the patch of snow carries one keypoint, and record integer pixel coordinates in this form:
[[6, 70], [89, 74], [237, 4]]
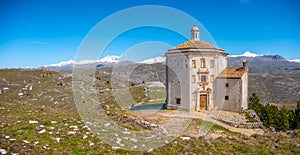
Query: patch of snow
[[154, 60], [246, 54]]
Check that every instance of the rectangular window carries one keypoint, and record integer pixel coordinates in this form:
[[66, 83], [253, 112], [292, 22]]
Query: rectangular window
[[226, 85], [212, 63], [202, 62], [203, 78], [226, 97], [177, 100], [194, 63], [193, 78]]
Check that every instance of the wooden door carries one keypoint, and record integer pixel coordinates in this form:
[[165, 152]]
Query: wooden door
[[203, 102]]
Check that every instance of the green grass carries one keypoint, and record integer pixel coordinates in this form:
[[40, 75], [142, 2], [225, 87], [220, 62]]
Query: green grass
[[75, 144]]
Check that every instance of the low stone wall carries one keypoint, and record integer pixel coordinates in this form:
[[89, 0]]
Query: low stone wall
[[242, 124]]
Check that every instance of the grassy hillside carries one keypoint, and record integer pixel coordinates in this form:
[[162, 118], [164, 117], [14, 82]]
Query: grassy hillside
[[44, 121], [60, 133]]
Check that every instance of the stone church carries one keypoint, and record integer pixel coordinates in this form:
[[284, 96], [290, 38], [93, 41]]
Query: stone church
[[198, 78]]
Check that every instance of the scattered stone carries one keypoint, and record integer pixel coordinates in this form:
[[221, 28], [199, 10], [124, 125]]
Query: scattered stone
[[33, 122], [25, 141], [207, 143], [92, 144], [20, 94], [150, 150], [57, 139], [272, 129], [115, 147], [118, 140], [2, 151], [45, 146], [107, 124], [42, 131], [53, 122], [74, 127], [7, 137], [185, 138], [134, 140], [5, 88], [71, 132], [85, 136]]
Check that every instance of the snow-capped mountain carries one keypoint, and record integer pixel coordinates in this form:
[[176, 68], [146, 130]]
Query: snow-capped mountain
[[295, 60], [110, 59], [154, 60], [68, 65], [246, 54]]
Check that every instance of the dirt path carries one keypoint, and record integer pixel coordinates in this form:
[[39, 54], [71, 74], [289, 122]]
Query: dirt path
[[210, 117]]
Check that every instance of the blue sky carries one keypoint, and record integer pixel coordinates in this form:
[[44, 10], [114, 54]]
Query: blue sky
[[35, 33]]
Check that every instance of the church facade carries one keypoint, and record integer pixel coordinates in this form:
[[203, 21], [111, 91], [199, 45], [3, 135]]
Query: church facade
[[197, 78]]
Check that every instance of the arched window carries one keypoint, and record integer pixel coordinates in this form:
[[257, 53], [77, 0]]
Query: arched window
[[202, 60]]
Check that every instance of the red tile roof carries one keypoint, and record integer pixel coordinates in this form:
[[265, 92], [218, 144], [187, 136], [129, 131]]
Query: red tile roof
[[236, 72], [195, 44]]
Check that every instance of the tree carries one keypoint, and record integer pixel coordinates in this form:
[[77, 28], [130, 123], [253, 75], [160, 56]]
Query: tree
[[295, 117], [284, 123]]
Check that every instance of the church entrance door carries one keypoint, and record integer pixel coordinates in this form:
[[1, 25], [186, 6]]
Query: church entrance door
[[203, 101]]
